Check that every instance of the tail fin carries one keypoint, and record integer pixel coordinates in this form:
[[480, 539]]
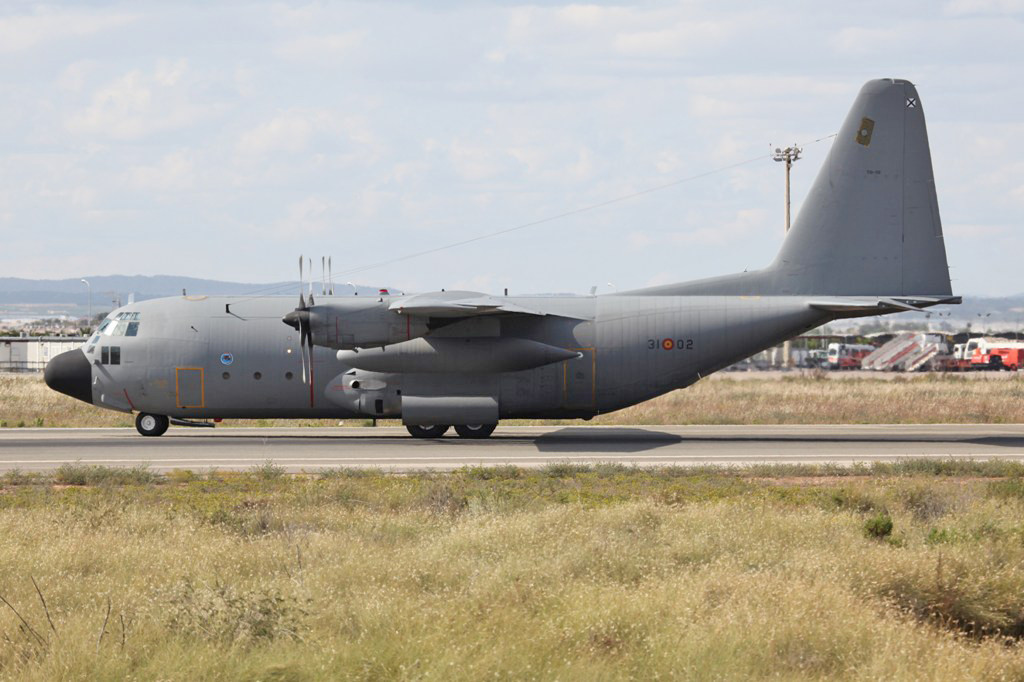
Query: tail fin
[[870, 225]]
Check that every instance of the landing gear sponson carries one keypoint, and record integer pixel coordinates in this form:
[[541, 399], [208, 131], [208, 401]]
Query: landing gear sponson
[[464, 430]]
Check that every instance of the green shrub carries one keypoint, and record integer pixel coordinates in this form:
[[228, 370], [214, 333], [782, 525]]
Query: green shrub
[[484, 473], [268, 471], [878, 526], [87, 474], [233, 615]]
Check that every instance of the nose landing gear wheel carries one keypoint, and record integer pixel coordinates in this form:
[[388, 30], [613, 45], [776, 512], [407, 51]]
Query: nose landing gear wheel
[[475, 430], [428, 431], [151, 424]]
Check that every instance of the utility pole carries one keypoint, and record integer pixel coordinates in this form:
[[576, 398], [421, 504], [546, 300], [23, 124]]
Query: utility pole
[[789, 155], [86, 283]]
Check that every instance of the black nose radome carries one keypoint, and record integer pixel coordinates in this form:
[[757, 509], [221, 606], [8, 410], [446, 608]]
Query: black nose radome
[[71, 374]]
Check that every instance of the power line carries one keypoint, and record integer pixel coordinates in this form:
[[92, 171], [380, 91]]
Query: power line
[[542, 221]]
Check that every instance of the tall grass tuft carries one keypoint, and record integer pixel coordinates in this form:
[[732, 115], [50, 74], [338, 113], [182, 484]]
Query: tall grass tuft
[[90, 474]]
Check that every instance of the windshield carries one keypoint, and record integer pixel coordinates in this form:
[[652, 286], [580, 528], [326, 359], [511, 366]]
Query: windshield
[[122, 324]]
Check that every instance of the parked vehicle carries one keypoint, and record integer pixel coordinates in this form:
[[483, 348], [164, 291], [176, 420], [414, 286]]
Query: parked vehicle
[[816, 358], [847, 355], [995, 354]]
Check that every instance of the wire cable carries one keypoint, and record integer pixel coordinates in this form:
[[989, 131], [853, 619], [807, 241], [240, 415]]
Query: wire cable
[[541, 221]]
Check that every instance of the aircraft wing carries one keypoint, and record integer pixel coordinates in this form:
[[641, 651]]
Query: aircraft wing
[[458, 304]]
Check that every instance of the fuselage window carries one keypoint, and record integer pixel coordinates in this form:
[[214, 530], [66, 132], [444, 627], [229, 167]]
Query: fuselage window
[[133, 329], [110, 355]]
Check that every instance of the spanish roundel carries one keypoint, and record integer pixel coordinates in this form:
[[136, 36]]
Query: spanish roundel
[[668, 344]]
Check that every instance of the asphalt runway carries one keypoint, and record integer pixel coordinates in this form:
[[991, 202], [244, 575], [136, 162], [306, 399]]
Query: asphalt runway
[[390, 448]]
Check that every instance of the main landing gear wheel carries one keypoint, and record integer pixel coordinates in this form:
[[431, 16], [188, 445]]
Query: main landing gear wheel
[[475, 430], [151, 424], [430, 431]]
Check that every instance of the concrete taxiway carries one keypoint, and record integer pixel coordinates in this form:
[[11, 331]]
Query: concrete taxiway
[[390, 448]]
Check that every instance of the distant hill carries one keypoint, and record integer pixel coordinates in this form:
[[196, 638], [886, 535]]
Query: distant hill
[[55, 297]]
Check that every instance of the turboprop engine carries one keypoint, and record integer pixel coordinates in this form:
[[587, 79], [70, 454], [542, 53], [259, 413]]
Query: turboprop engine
[[354, 323]]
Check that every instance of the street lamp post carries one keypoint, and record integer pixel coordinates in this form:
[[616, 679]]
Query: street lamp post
[[789, 155], [86, 283]]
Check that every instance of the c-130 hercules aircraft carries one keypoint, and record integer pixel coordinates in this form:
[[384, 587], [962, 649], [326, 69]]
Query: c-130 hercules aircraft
[[867, 241]]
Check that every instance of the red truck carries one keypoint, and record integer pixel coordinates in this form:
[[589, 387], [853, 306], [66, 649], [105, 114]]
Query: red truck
[[1009, 356]]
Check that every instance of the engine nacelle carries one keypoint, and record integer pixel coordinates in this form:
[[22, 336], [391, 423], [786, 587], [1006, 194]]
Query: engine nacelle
[[367, 323], [369, 393]]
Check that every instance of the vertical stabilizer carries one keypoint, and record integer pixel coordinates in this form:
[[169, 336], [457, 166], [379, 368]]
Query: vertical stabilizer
[[870, 224]]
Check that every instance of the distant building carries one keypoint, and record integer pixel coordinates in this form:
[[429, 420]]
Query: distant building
[[31, 353]]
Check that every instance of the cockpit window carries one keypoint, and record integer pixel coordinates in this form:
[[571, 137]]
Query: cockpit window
[[122, 324]]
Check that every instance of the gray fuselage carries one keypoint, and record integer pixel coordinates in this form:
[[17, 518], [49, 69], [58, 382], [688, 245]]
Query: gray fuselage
[[192, 359]]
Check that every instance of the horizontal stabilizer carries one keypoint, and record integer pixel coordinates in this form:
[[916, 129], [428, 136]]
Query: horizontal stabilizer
[[881, 304]]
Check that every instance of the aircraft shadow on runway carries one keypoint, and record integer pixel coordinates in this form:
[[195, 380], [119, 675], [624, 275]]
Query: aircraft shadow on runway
[[611, 440], [582, 439]]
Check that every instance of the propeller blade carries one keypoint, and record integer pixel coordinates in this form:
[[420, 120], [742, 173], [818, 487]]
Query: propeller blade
[[303, 332], [323, 276], [309, 338], [330, 276]]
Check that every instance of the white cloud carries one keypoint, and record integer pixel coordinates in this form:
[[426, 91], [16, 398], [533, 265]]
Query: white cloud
[[18, 33], [745, 223], [856, 40], [957, 8], [972, 231], [300, 130], [175, 171], [76, 75], [308, 216], [315, 48], [683, 38], [139, 104]]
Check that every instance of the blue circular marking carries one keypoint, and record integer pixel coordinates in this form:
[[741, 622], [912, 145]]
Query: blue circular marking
[[226, 358]]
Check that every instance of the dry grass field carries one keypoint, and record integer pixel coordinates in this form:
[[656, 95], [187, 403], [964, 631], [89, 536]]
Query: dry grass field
[[910, 571], [721, 399]]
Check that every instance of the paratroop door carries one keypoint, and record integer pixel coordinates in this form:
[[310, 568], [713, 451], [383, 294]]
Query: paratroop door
[[188, 385]]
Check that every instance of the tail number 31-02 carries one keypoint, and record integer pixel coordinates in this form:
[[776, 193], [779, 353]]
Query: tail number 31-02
[[670, 344]]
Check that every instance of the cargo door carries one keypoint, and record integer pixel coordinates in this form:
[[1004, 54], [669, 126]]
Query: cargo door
[[189, 387], [578, 380]]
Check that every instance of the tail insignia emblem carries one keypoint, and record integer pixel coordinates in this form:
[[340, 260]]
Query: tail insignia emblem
[[867, 126]]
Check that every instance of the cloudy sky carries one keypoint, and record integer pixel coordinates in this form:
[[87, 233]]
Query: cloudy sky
[[220, 140]]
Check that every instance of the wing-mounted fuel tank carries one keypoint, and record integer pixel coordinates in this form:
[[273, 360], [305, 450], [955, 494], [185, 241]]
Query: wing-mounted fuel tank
[[468, 355]]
